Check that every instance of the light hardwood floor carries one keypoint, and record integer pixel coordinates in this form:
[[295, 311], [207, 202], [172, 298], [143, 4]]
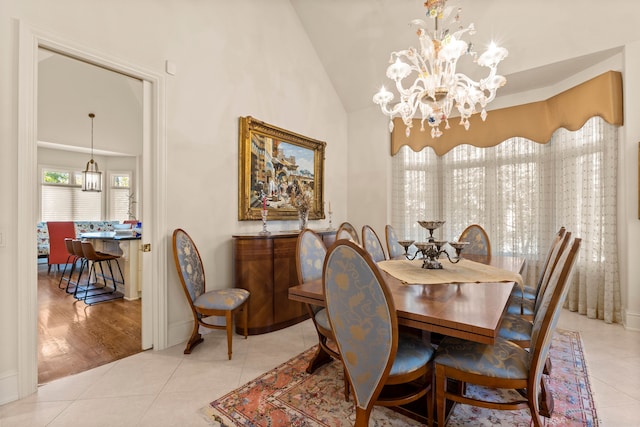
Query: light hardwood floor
[[74, 337]]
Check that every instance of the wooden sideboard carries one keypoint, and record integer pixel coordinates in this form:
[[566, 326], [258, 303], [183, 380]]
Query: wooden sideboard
[[266, 267]]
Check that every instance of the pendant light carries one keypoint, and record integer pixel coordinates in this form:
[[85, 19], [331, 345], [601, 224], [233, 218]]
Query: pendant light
[[92, 177]]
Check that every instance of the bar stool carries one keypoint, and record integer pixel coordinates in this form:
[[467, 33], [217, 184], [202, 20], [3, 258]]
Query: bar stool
[[92, 292], [76, 248], [72, 260]]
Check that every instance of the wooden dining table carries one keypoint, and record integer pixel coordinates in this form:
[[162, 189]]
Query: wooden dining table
[[471, 311]]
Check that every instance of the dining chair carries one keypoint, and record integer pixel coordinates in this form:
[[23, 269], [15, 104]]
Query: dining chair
[[220, 302], [347, 231], [526, 308], [371, 243], [478, 239], [364, 321], [310, 254], [58, 231], [517, 327], [504, 364], [394, 249], [531, 292]]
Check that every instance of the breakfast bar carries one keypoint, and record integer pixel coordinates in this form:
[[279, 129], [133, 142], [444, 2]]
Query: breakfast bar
[[127, 246]]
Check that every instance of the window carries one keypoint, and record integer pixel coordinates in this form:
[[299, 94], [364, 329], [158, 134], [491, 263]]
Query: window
[[121, 198], [62, 198], [522, 192]]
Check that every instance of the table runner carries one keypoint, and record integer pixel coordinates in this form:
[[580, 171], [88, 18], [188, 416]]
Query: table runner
[[465, 271]]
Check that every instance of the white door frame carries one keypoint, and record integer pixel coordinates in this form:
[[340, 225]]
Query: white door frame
[[154, 275]]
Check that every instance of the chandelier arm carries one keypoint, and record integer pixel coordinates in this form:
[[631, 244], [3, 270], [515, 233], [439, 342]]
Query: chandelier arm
[[437, 87]]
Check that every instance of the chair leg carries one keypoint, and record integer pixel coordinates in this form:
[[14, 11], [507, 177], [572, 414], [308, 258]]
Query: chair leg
[[195, 339], [545, 399], [245, 310], [430, 404], [441, 400], [229, 319], [347, 387]]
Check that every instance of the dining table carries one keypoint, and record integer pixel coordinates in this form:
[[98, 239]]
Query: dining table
[[466, 306]]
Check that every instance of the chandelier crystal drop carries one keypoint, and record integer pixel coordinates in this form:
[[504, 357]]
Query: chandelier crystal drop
[[434, 85]]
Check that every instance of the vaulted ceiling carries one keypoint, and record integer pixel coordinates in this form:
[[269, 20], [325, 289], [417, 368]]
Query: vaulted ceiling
[[548, 40]]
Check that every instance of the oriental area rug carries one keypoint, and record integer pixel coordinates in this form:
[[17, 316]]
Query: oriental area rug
[[288, 396]]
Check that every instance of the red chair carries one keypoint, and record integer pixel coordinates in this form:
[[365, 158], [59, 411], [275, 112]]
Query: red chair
[[58, 231]]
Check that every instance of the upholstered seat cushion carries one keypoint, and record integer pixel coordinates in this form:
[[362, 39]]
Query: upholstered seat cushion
[[516, 303], [412, 354], [322, 319], [515, 328], [529, 292], [222, 299], [504, 359]]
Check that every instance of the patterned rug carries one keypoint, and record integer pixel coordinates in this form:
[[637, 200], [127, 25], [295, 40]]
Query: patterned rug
[[288, 396]]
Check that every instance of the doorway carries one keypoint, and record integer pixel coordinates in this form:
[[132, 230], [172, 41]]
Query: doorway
[[74, 337], [153, 184]]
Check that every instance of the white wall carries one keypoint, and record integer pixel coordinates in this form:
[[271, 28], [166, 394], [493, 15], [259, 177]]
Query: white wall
[[232, 59]]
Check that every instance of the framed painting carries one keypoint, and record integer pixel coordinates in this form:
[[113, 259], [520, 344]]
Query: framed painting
[[278, 171]]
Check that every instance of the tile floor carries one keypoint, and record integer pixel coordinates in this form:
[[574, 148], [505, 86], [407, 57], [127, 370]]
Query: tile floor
[[167, 388]]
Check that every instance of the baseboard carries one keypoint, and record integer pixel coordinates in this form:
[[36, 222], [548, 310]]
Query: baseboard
[[8, 387], [179, 332], [631, 320]]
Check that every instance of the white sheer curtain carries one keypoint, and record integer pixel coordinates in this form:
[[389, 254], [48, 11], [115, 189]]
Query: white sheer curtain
[[522, 192]]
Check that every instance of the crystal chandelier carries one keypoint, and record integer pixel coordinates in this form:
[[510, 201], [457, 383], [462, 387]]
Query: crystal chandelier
[[435, 86]]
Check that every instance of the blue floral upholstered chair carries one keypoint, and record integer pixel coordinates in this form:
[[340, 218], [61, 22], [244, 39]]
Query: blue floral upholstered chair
[[520, 304], [530, 293], [504, 364], [220, 302], [478, 239], [347, 231], [516, 327], [371, 243], [394, 249], [364, 322], [310, 254]]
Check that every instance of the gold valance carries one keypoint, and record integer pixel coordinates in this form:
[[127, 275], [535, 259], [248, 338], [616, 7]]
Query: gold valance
[[600, 96]]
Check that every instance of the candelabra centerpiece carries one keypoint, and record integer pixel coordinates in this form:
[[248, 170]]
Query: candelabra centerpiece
[[431, 250]]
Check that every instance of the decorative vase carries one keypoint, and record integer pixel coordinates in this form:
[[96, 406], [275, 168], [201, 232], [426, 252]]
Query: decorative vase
[[303, 216]]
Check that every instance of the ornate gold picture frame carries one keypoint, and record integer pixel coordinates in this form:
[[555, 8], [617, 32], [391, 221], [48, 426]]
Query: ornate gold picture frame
[[275, 167]]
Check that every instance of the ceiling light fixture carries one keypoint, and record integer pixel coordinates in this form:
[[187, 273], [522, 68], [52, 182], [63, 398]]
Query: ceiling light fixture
[[92, 177], [437, 87]]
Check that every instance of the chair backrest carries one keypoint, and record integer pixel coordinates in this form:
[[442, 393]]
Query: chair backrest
[[363, 319], [189, 265], [58, 231], [89, 251], [77, 248], [556, 241], [556, 253], [310, 253], [347, 231], [68, 243], [372, 244], [478, 239], [394, 249], [547, 318]]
